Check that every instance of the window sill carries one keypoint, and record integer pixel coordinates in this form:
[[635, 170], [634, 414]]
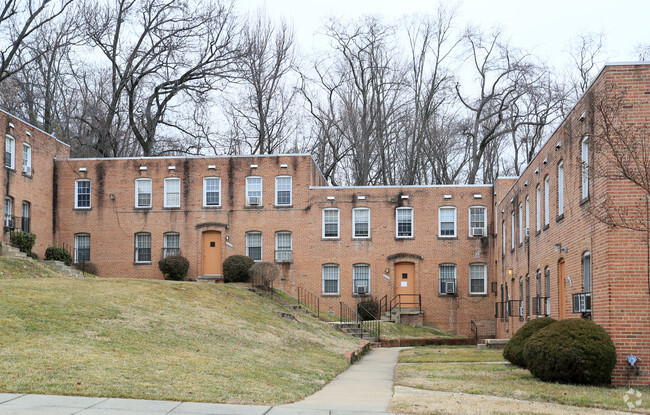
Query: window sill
[[283, 206], [584, 201], [331, 238], [10, 168], [171, 208], [330, 295], [142, 263], [82, 209], [478, 294], [559, 218], [212, 207], [442, 295], [538, 232], [361, 238], [401, 238], [29, 176], [283, 262], [447, 237], [142, 207], [545, 227], [368, 295], [254, 207]]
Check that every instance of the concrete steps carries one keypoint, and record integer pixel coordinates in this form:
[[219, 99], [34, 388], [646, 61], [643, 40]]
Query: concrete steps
[[11, 252], [493, 344], [59, 265]]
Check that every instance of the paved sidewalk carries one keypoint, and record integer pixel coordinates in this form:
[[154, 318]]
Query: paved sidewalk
[[365, 388]]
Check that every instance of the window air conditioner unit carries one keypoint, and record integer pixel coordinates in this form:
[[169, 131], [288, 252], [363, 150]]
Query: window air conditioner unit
[[450, 287], [254, 201], [526, 232], [27, 170], [477, 231], [361, 290]]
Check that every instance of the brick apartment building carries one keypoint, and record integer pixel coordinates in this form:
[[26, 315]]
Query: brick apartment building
[[495, 255]]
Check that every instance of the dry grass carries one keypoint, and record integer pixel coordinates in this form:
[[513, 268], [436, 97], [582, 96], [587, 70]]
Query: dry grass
[[22, 268], [404, 331], [159, 340], [467, 370]]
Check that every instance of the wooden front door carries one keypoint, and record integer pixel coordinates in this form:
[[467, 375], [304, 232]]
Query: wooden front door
[[561, 290], [211, 253], [405, 278]]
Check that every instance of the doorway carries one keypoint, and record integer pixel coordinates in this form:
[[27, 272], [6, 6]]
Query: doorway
[[211, 253], [404, 278], [561, 290]]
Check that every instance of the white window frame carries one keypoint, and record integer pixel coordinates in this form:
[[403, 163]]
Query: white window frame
[[205, 191], [469, 211], [585, 167], [8, 212], [528, 214], [447, 208], [538, 211], [547, 200], [166, 246], [560, 188], [355, 211], [338, 279], [27, 159], [520, 212], [11, 143], [136, 248], [484, 277], [249, 185], [586, 260], [338, 223], [412, 234], [248, 245], [503, 235], [356, 278], [76, 194], [440, 279], [76, 246], [137, 193], [277, 189], [168, 193], [512, 230], [26, 209], [277, 247]]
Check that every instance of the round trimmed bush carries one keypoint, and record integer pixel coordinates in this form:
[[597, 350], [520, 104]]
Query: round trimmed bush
[[235, 268], [571, 351], [369, 311], [174, 267], [55, 253], [22, 240], [514, 350]]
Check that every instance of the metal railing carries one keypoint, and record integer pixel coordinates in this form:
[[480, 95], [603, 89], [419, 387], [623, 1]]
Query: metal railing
[[373, 327], [539, 306], [171, 251], [474, 329], [350, 316], [82, 254], [346, 314], [259, 283], [284, 255], [309, 300], [515, 308], [383, 305], [406, 301], [499, 310], [582, 302]]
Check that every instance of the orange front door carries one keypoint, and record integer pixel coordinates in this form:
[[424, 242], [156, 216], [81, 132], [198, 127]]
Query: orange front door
[[211, 253], [561, 290], [405, 278]]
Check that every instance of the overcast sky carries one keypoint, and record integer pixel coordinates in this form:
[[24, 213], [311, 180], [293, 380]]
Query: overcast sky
[[541, 27]]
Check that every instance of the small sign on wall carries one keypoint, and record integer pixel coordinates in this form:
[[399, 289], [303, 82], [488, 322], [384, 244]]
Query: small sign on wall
[[404, 283]]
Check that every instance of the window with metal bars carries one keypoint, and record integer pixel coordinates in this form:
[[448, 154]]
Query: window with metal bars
[[330, 279]]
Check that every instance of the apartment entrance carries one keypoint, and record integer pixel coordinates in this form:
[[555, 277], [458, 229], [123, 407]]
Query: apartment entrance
[[211, 253], [561, 290], [404, 278]]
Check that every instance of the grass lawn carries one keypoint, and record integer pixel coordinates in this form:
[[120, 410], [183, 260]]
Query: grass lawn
[[159, 340], [21, 268], [468, 370], [404, 331]]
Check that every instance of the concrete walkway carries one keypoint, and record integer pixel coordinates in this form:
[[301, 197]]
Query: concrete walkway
[[365, 388]]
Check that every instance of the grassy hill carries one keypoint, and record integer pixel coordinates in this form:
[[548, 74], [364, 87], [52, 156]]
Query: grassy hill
[[156, 340]]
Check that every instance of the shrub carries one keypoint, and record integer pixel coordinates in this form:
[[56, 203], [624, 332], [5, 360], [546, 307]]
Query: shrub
[[174, 267], [369, 311], [32, 255], [87, 267], [514, 350], [23, 240], [235, 268], [55, 253], [571, 351], [266, 271]]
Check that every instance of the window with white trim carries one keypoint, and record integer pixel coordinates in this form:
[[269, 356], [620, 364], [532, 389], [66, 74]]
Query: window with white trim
[[9, 213], [142, 193], [143, 247], [585, 167], [361, 223], [503, 236], [82, 194], [331, 223], [521, 223], [211, 191], [254, 245], [283, 247], [330, 279], [477, 219], [477, 278], [172, 192], [24, 223], [171, 244], [81, 247], [547, 283], [283, 190], [447, 277], [528, 213], [547, 197], [404, 222], [361, 279], [538, 213], [254, 191], [512, 230], [560, 188], [27, 159], [447, 222], [10, 152], [586, 272]]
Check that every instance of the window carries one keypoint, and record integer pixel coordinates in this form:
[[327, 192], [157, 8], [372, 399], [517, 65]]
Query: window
[[172, 192], [585, 167], [254, 191], [10, 152], [447, 276], [331, 223], [560, 188], [527, 213], [283, 190], [143, 193], [477, 220], [283, 247], [211, 191], [538, 217], [9, 213], [586, 272], [171, 244], [512, 230], [547, 283], [547, 191], [477, 279], [143, 247], [521, 297], [361, 223], [27, 160], [447, 221], [330, 279], [503, 236], [81, 247], [527, 296], [25, 219], [404, 222], [254, 245], [361, 279], [82, 194], [521, 223]]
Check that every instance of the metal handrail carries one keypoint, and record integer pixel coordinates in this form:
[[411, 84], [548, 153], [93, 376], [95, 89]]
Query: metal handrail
[[383, 304], [398, 302], [373, 327], [309, 300], [539, 306], [346, 314], [515, 309]]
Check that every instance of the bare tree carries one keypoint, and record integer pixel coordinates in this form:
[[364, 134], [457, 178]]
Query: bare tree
[[587, 56]]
